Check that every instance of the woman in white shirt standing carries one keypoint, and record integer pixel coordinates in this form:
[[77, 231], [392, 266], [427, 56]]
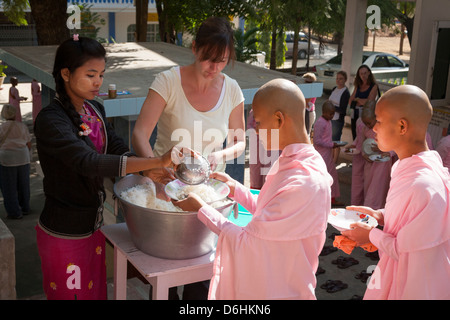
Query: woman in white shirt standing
[[339, 97], [196, 106], [15, 146]]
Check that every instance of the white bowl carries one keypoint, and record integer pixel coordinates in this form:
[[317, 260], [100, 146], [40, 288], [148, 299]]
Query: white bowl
[[351, 151], [340, 143], [341, 219], [174, 189], [379, 158], [367, 146]]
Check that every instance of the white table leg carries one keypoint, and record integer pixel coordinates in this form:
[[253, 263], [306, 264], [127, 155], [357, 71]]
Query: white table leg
[[120, 275]]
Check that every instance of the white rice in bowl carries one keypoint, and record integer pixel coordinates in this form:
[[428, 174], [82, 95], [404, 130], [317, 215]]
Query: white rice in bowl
[[144, 195]]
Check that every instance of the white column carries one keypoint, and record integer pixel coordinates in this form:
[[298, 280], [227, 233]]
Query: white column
[[355, 20]]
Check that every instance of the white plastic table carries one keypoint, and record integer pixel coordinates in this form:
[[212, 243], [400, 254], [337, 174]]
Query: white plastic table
[[162, 274]]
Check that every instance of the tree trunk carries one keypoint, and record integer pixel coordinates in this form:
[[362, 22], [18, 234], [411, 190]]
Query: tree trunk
[[166, 29], [141, 20], [50, 17], [295, 49], [273, 50]]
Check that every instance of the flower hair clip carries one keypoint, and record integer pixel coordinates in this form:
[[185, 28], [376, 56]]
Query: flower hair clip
[[76, 37], [86, 130]]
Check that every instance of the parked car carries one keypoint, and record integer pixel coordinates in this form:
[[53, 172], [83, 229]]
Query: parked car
[[386, 67], [302, 45]]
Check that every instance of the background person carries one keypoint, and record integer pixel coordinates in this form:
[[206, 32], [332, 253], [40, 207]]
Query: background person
[[366, 89], [15, 146], [15, 98], [310, 111], [339, 97]]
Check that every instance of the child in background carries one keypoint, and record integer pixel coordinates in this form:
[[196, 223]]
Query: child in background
[[15, 98], [357, 189], [257, 261], [414, 244], [324, 145], [310, 113], [377, 174], [37, 98], [15, 145]]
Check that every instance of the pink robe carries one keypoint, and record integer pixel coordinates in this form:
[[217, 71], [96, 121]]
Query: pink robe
[[37, 98], [276, 255], [377, 176], [443, 148], [414, 245], [357, 190], [14, 99], [324, 145]]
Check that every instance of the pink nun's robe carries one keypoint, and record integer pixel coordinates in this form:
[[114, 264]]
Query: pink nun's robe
[[443, 148], [14, 99], [276, 255], [324, 145], [377, 176], [357, 190], [414, 245], [37, 98]]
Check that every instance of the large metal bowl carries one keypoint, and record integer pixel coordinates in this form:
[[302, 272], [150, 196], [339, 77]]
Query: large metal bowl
[[164, 234]]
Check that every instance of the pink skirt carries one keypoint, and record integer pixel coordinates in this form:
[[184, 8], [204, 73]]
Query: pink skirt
[[73, 269]]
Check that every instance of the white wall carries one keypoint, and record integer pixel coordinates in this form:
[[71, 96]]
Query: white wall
[[426, 13]]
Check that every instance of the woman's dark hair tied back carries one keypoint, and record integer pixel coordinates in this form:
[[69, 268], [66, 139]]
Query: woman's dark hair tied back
[[72, 54], [214, 37]]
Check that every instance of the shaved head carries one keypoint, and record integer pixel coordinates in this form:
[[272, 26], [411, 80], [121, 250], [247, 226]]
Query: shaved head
[[409, 102], [403, 114], [284, 96], [280, 105]]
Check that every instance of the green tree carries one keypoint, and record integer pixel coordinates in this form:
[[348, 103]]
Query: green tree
[[245, 44], [50, 18]]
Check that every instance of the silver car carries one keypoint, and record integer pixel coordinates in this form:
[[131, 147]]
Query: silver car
[[302, 45], [386, 67]]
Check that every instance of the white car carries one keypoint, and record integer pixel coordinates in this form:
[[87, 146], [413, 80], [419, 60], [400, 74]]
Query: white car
[[302, 45], [386, 67]]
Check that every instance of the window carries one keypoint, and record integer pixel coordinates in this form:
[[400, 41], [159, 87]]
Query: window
[[441, 65], [394, 62], [152, 32], [380, 62]]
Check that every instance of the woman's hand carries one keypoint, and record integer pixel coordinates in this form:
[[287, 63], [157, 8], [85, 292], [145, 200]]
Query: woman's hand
[[214, 159], [231, 183], [160, 175], [192, 203]]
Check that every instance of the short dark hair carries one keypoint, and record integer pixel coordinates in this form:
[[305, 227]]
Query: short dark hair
[[214, 37], [343, 73]]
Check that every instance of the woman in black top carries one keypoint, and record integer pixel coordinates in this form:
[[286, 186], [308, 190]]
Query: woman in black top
[[365, 89], [77, 148]]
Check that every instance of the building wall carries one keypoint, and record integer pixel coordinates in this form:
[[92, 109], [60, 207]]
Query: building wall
[[426, 14]]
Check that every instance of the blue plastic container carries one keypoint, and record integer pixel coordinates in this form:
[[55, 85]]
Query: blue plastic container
[[244, 217]]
